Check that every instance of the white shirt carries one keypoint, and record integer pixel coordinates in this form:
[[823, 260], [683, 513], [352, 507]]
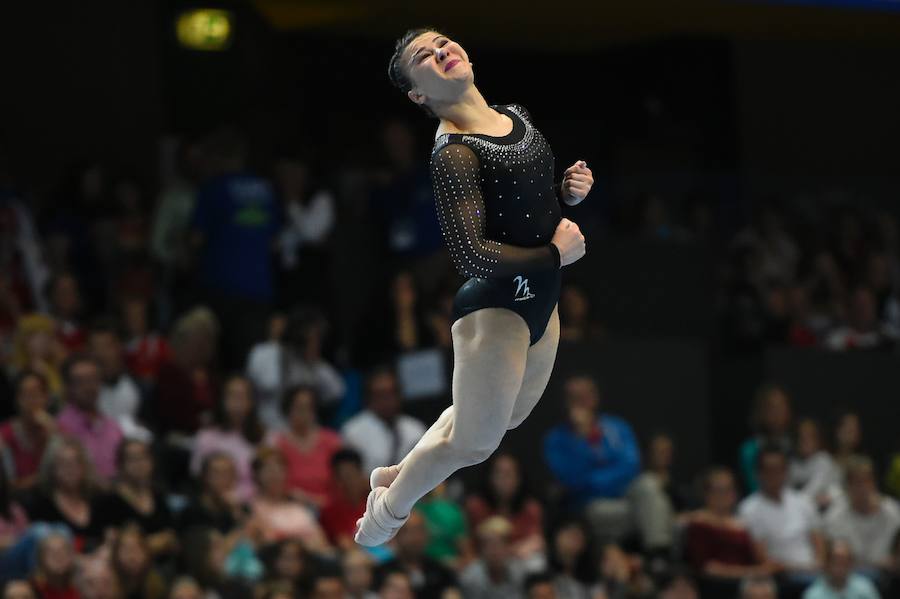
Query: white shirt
[[370, 436], [815, 475], [121, 402], [309, 224], [784, 527], [869, 535]]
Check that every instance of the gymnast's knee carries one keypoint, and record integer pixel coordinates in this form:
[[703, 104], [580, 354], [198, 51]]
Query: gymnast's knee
[[469, 454]]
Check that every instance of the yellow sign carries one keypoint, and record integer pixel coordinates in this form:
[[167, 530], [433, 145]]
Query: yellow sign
[[208, 29]]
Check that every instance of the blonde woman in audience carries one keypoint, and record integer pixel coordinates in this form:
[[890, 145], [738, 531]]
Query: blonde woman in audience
[[36, 348]]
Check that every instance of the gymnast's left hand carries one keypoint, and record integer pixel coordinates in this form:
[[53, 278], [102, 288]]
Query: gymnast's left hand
[[577, 182]]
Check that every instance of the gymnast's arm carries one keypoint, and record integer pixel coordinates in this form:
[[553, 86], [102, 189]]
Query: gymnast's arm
[[461, 212]]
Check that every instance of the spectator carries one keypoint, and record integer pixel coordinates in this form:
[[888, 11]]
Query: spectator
[[785, 522], [145, 349], [82, 419], [679, 586], [396, 585], [293, 359], [596, 457], [186, 386], [96, 579], [838, 581], [381, 433], [36, 349], [55, 572], [330, 586], [235, 223], [358, 575], [448, 539], [288, 564], [621, 575], [235, 431], [400, 324], [717, 545], [133, 561], [135, 499], [274, 515], [18, 589], [120, 397], [24, 438], [505, 493], [812, 470], [217, 505], [66, 308], [185, 587], [758, 587], [867, 521], [223, 564], [570, 557], [427, 576], [346, 501], [847, 440], [575, 319], [307, 447], [540, 586], [496, 573], [67, 493], [655, 497], [13, 519], [771, 425], [863, 329]]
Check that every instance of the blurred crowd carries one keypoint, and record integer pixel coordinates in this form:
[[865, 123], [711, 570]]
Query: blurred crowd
[[198, 377]]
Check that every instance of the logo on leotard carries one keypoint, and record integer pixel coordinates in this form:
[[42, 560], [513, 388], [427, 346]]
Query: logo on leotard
[[522, 291]]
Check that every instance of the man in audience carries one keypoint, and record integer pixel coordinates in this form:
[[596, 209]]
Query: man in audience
[[427, 576], [783, 521], [381, 433], [596, 457], [838, 581], [866, 520], [346, 501], [497, 573], [82, 418]]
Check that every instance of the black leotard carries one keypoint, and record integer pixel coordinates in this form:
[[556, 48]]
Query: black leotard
[[498, 209]]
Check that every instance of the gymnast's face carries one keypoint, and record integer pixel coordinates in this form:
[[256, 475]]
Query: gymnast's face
[[438, 68]]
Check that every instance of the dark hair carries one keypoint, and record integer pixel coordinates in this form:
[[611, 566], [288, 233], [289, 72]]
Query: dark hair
[[212, 457], [263, 455], [536, 578], [24, 376], [375, 372], [396, 72], [346, 455], [769, 449], [712, 472], [287, 400], [760, 399], [73, 360], [123, 446], [106, 325], [251, 431], [487, 489]]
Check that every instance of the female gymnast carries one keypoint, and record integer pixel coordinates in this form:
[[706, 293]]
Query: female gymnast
[[493, 178]]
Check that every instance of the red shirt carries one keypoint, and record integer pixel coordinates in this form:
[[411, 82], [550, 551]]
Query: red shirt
[[26, 458], [309, 470], [145, 355], [338, 517], [45, 591], [526, 522], [182, 398], [706, 542]]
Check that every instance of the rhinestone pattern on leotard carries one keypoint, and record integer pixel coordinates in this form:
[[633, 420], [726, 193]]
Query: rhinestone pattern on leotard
[[489, 189]]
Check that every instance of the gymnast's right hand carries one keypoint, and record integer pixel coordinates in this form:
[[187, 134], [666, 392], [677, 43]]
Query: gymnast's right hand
[[569, 241]]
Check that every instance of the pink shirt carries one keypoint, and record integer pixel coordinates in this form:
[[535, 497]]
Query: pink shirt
[[308, 470], [286, 520], [99, 434]]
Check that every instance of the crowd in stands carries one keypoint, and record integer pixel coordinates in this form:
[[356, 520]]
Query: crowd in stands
[[181, 418]]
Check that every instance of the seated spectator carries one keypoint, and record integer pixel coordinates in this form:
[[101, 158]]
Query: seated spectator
[[838, 580], [346, 501], [381, 433], [18, 589], [771, 425], [866, 520], [55, 572], [185, 587], [135, 499], [863, 329], [327, 586], [427, 576], [24, 438], [96, 579], [218, 505], [36, 349], [66, 308], [396, 585], [133, 562], [235, 431], [575, 323], [448, 538], [758, 587], [289, 565], [186, 388], [655, 498], [505, 493], [786, 523], [496, 573], [82, 419], [13, 519], [275, 516], [812, 470], [224, 565], [358, 574], [67, 493], [679, 586], [307, 448], [540, 586], [294, 359], [570, 559], [145, 349], [717, 545], [848, 441], [596, 458], [120, 397], [622, 575]]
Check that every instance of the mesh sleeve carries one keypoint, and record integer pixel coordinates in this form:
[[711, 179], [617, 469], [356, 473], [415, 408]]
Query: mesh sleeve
[[461, 212]]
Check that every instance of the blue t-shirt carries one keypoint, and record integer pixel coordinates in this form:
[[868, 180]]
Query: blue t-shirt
[[239, 216]]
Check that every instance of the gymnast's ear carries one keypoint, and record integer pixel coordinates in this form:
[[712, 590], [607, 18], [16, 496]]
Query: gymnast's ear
[[416, 96]]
